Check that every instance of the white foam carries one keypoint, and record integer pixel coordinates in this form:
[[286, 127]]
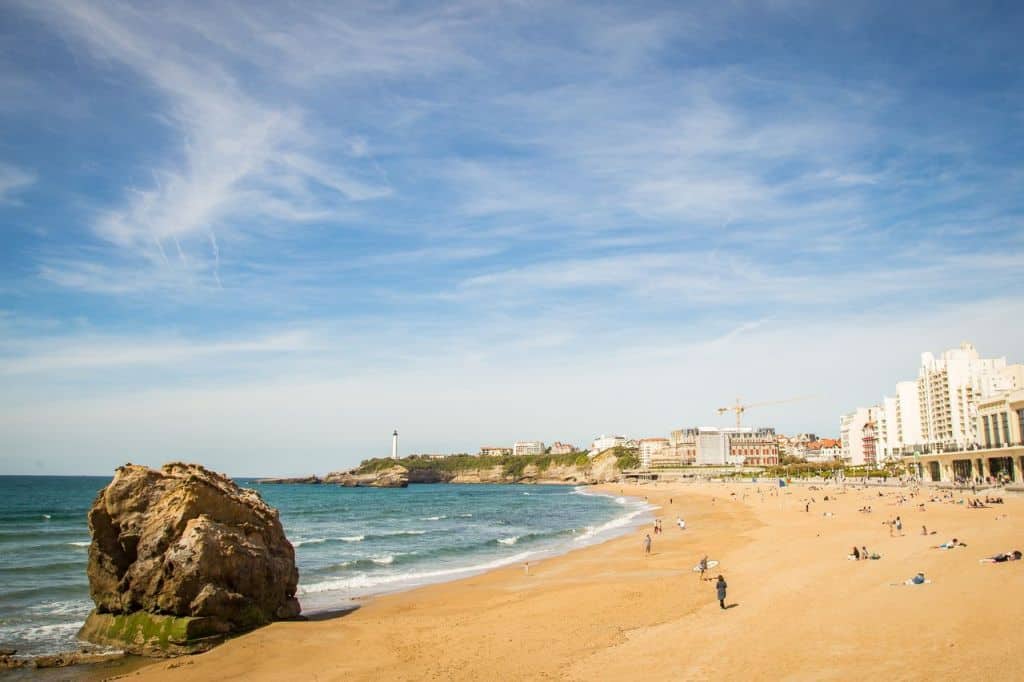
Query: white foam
[[353, 538], [47, 516], [363, 581], [509, 541], [614, 524], [433, 518], [384, 560], [83, 543], [312, 541], [620, 500]]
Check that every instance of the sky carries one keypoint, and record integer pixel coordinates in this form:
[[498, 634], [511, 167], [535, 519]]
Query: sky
[[261, 236]]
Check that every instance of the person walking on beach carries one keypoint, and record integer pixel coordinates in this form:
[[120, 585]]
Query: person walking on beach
[[720, 588], [899, 525], [647, 544], [703, 566]]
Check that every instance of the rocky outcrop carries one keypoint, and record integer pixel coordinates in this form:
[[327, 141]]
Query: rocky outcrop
[[181, 557], [300, 479], [393, 477]]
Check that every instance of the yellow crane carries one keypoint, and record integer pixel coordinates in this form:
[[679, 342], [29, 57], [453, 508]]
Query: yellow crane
[[739, 408]]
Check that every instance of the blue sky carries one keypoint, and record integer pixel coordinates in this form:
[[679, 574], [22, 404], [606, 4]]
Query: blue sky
[[263, 236]]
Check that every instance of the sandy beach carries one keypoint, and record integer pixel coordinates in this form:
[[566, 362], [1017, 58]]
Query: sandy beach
[[798, 607]]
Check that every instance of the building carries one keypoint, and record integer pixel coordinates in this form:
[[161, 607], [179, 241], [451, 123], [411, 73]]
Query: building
[[823, 450], [495, 451], [683, 446], [851, 434], [908, 418], [966, 465], [528, 447], [603, 442], [394, 445], [1001, 419], [651, 448], [888, 430], [936, 412], [560, 448], [869, 440], [949, 387], [707, 445]]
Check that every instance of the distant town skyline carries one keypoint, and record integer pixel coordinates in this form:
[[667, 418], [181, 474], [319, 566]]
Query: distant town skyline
[[260, 239]]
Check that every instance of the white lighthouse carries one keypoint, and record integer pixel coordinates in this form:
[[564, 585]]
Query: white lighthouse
[[394, 445]]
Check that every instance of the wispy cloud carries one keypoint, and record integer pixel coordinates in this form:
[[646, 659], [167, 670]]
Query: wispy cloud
[[94, 352], [12, 181], [243, 160]]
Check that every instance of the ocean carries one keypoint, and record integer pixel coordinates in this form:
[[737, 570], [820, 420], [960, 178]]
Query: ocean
[[349, 542]]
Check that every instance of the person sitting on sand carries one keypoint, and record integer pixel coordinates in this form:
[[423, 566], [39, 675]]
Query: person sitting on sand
[[1002, 557], [863, 552], [855, 554], [916, 580], [681, 523]]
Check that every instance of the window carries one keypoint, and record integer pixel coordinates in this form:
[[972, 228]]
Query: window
[[1006, 427], [988, 432], [1020, 418]]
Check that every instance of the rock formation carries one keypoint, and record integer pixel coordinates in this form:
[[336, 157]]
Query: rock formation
[[181, 557], [392, 477]]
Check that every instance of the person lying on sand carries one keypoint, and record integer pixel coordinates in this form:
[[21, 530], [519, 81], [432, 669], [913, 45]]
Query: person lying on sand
[[1015, 555], [952, 544], [918, 579]]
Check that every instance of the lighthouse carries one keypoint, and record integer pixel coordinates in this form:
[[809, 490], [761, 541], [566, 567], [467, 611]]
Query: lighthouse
[[394, 445]]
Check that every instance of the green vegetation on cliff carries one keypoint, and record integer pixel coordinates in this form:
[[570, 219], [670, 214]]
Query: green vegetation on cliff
[[512, 466]]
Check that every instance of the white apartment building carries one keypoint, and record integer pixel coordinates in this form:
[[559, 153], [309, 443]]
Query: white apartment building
[[528, 447], [494, 451], [888, 429], [603, 442], [949, 387], [560, 448], [937, 411], [651, 448], [908, 417], [851, 433]]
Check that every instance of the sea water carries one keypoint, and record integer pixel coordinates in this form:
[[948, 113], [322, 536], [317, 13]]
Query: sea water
[[349, 542]]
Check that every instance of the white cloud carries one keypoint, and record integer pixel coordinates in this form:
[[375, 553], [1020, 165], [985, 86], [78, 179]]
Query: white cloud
[[293, 425], [243, 157], [12, 181], [60, 356]]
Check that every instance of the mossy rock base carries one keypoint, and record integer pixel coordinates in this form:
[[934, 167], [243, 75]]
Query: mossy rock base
[[147, 634]]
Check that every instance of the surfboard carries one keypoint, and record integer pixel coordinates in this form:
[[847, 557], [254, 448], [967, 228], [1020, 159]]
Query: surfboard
[[711, 564]]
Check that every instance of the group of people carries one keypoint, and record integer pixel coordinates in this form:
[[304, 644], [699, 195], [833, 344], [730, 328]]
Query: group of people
[[895, 526], [861, 554]]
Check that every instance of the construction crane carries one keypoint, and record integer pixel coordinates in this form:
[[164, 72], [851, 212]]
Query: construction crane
[[739, 408]]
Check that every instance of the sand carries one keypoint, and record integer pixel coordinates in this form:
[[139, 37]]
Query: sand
[[799, 609]]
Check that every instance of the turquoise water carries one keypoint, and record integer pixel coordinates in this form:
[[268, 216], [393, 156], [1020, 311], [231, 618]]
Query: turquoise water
[[349, 542]]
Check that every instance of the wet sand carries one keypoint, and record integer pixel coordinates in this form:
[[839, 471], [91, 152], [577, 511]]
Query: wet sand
[[799, 609]]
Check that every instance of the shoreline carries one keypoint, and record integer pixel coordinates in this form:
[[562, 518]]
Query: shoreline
[[604, 532], [332, 605], [609, 612]]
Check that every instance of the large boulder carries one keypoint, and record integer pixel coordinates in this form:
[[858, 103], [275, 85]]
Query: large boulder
[[181, 557]]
